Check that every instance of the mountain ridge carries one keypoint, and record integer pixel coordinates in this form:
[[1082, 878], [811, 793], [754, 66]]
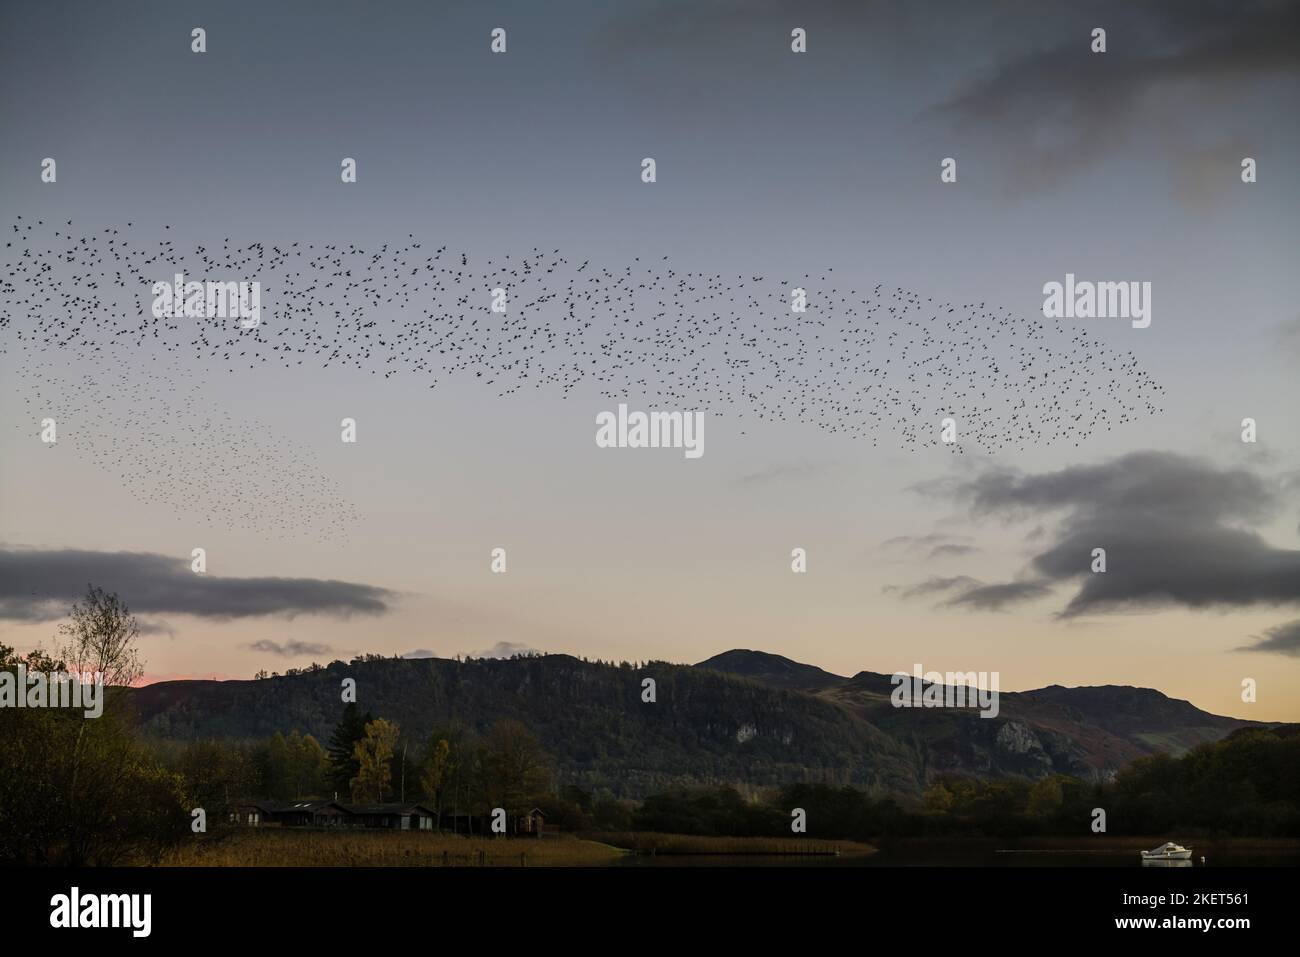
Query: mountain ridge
[[742, 717]]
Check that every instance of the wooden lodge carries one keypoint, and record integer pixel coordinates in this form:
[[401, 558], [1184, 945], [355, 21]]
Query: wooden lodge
[[397, 817], [253, 813], [534, 822], [311, 814]]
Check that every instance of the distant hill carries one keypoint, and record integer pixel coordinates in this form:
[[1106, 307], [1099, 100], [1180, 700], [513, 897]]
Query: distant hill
[[1089, 733], [743, 717], [773, 670]]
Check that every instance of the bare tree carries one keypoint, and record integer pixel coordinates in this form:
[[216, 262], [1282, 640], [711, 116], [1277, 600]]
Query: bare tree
[[101, 638]]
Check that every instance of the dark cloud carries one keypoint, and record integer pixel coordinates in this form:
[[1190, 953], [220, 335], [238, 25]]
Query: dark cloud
[[40, 585], [290, 649], [155, 626], [934, 585], [996, 597], [913, 540], [952, 551], [1175, 530], [936, 544], [1067, 107], [1134, 484], [420, 653], [1278, 640]]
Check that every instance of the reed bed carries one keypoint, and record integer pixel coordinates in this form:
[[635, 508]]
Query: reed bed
[[294, 847], [649, 842]]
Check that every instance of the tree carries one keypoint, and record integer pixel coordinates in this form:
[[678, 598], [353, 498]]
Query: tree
[[307, 765], [343, 766], [514, 767], [1045, 797], [373, 754], [280, 768], [938, 798], [272, 759], [217, 775], [77, 790], [101, 639], [437, 771]]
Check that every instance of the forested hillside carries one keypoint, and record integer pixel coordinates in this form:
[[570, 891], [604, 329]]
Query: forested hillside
[[703, 727], [735, 719]]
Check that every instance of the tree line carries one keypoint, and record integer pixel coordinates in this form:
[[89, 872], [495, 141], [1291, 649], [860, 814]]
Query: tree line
[[453, 771], [1246, 785]]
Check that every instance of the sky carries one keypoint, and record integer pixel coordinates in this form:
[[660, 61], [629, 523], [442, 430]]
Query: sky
[[773, 169]]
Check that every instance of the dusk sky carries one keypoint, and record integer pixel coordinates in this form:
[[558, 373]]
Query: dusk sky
[[817, 169]]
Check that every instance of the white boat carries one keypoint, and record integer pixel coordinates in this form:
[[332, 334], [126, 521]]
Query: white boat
[[1168, 851]]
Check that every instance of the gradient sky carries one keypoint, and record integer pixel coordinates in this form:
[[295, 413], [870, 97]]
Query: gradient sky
[[1117, 166]]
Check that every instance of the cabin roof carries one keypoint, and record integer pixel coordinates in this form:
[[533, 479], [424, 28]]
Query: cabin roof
[[386, 808], [266, 806], [307, 806]]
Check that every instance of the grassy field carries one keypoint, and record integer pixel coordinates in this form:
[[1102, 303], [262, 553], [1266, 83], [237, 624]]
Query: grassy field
[[295, 847], [301, 847], [645, 842]]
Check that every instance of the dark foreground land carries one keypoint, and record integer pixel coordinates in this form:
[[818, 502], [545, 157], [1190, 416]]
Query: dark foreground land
[[287, 847]]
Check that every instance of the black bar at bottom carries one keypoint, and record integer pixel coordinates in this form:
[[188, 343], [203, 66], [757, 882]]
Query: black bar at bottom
[[334, 906]]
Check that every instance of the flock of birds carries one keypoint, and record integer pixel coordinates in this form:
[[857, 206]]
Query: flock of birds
[[76, 311]]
